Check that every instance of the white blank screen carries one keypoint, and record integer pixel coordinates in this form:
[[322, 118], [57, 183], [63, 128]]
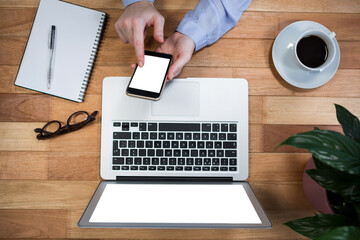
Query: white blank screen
[[174, 203], [150, 77]]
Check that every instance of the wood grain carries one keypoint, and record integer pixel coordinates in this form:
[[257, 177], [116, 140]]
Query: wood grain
[[29, 223]]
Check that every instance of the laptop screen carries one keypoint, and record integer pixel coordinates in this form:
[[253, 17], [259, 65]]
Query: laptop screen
[[174, 203]]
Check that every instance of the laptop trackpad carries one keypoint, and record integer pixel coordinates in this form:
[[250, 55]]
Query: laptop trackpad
[[178, 99]]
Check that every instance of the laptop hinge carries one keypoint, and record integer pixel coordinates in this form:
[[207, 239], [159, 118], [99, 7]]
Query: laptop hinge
[[173, 179]]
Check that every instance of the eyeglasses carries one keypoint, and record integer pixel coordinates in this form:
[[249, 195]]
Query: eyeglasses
[[76, 121]]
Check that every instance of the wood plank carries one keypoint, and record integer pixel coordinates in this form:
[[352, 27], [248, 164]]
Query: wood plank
[[74, 166], [275, 134], [256, 138], [35, 194], [24, 108], [33, 223], [306, 110], [345, 6], [289, 167], [16, 22], [24, 165], [20, 136], [277, 232]]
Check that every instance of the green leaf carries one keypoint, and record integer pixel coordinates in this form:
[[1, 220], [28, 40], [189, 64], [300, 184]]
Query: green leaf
[[350, 123], [312, 227], [329, 147], [341, 233], [335, 181]]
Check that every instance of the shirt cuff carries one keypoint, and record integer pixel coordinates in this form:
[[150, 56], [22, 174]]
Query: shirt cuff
[[193, 30], [128, 2]]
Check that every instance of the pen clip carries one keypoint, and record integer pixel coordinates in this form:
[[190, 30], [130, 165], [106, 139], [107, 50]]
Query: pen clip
[[52, 37]]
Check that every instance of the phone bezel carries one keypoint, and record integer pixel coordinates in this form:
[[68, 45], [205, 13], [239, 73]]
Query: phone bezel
[[147, 94]]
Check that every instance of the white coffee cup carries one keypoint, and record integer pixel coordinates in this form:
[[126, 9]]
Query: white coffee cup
[[328, 38]]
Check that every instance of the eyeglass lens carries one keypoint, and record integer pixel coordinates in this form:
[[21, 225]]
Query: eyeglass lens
[[51, 127], [77, 117]]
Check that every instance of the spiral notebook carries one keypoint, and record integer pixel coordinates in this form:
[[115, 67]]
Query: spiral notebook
[[62, 44]]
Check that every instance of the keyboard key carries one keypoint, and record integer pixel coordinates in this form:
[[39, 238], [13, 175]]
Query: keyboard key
[[134, 168], [134, 124], [115, 145], [162, 136], [152, 168], [183, 127], [122, 135], [222, 136], [188, 136], [232, 127], [229, 144], [125, 152], [206, 127], [142, 127], [157, 144], [159, 152], [116, 124], [232, 168], [178, 168], [168, 153], [214, 168], [175, 144], [124, 167], [155, 161], [230, 153], [198, 161], [224, 161], [118, 161], [133, 152], [219, 153], [202, 153], [152, 126], [146, 161], [206, 168], [144, 135], [139, 144], [223, 169], [185, 153], [205, 136], [233, 161], [189, 161], [183, 144], [164, 161], [123, 144], [129, 161], [143, 168], [215, 161], [170, 168], [211, 153], [188, 168], [153, 135], [197, 168], [218, 145], [216, 127], [151, 152], [209, 144], [161, 168], [131, 144], [207, 161], [200, 144], [172, 161], [177, 153], [136, 135], [224, 127], [213, 136], [142, 152], [192, 144], [166, 144], [179, 136], [196, 136], [125, 126], [137, 161], [116, 168], [181, 161], [231, 136], [194, 153], [149, 144], [170, 136]]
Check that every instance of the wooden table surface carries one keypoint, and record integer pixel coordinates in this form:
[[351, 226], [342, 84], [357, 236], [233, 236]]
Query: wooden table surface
[[46, 185]]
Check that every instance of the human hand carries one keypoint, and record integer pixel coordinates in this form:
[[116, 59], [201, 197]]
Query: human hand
[[181, 47], [132, 24]]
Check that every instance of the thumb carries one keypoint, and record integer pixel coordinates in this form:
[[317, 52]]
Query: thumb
[[177, 66], [159, 28]]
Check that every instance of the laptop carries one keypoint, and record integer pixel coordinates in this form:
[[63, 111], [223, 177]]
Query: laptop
[[180, 162]]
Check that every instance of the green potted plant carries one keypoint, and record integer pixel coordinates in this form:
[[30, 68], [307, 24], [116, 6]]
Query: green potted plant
[[337, 161]]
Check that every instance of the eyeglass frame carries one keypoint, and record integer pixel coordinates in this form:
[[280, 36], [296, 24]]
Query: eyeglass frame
[[67, 128]]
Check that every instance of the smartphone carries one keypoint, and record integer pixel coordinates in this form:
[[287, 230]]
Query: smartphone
[[149, 81]]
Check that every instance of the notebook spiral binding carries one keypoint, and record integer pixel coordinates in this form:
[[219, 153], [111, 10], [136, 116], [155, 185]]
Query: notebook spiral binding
[[92, 59]]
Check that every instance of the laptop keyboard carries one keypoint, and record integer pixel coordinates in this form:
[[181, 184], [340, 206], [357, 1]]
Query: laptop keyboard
[[160, 146]]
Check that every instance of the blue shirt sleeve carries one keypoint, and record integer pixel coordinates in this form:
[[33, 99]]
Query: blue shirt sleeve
[[211, 19], [128, 2]]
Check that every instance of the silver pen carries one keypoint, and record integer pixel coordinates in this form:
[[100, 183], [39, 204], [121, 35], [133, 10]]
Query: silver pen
[[51, 53]]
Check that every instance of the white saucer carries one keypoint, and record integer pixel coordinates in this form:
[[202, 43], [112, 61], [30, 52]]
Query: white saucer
[[286, 65]]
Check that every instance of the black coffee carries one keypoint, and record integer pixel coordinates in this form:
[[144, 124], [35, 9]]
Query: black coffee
[[312, 51]]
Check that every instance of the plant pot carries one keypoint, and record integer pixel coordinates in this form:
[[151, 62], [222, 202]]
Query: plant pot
[[316, 194]]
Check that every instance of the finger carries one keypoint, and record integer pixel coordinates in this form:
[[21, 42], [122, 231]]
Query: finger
[[133, 66], [139, 42], [177, 66], [159, 28]]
